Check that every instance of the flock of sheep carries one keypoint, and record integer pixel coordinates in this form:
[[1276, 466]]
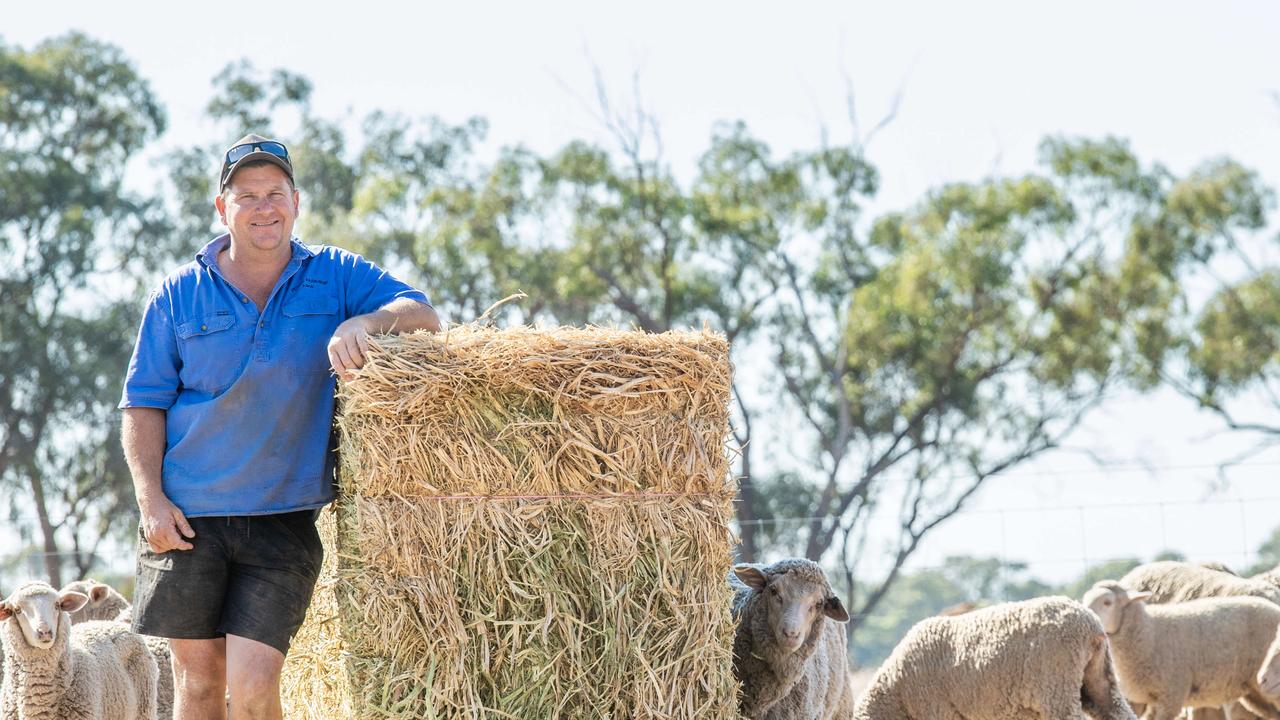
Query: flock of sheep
[[69, 655], [1166, 639]]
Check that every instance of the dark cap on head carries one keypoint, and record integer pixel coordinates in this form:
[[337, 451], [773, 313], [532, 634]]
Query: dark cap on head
[[255, 148]]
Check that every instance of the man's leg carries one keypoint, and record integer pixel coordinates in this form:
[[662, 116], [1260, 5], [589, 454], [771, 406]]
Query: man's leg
[[254, 679], [199, 678], [179, 595], [274, 571]]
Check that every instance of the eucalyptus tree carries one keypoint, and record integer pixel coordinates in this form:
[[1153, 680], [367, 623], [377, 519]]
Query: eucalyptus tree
[[74, 114], [927, 350]]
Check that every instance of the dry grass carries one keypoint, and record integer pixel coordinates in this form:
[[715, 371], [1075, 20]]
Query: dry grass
[[532, 524]]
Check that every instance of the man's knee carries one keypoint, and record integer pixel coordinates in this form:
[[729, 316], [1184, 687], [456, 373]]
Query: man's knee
[[253, 673], [199, 668]]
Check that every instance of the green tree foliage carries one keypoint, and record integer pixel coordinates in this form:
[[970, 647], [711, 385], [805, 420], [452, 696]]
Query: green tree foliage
[[1222, 352], [73, 111], [968, 334]]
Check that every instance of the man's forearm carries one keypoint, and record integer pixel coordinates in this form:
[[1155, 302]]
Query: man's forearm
[[142, 433], [401, 316]]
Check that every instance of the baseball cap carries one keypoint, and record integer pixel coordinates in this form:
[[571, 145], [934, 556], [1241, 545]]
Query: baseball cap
[[252, 148]]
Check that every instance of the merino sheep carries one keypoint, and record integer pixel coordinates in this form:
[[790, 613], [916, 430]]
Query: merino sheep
[[107, 604], [959, 608], [1270, 577], [1041, 658], [95, 671], [1177, 582], [1200, 653], [1269, 672], [1219, 566], [1170, 582], [104, 602], [791, 661], [159, 649]]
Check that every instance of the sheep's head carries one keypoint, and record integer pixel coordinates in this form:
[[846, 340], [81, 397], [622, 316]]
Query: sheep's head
[[1269, 675], [796, 598], [104, 602], [1108, 599], [37, 609], [97, 592]]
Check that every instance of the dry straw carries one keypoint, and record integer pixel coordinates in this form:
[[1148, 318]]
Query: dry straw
[[531, 524]]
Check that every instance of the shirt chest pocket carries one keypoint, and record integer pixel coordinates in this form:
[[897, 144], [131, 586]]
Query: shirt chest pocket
[[213, 352], [310, 320]]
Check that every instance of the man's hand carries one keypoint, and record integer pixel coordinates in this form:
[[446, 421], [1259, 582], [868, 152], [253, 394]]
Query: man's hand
[[348, 346], [161, 523]]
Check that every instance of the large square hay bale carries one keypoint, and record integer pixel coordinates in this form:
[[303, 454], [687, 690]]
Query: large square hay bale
[[532, 524]]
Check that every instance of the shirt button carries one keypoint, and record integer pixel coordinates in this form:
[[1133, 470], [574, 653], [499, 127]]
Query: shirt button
[[244, 299], [262, 324], [204, 327]]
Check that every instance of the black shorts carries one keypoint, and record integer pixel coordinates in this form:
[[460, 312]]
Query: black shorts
[[250, 576]]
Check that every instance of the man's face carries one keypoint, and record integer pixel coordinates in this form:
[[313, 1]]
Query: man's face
[[259, 208]]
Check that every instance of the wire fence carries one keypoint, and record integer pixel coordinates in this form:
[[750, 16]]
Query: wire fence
[[1052, 543]]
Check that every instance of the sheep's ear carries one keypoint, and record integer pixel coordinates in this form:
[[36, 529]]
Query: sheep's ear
[[71, 601], [834, 609], [1139, 596], [6, 611], [98, 593], [750, 576]]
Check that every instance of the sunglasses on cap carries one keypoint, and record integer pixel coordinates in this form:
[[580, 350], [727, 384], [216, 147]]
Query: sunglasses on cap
[[269, 146]]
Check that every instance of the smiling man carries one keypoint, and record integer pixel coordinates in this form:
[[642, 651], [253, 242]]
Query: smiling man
[[228, 408]]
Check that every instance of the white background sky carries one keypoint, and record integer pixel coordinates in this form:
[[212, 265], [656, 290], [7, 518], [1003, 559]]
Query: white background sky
[[981, 83]]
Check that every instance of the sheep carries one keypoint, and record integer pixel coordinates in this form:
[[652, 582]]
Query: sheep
[[790, 661], [1170, 581], [94, 671], [1177, 582], [107, 604], [1271, 577], [159, 649], [959, 608], [1219, 566], [1044, 658], [104, 602], [1199, 653], [1269, 672]]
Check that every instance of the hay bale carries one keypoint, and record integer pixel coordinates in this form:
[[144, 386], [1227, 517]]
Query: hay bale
[[531, 524]]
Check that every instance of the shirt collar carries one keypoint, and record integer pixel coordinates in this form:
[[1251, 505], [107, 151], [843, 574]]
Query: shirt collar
[[208, 255]]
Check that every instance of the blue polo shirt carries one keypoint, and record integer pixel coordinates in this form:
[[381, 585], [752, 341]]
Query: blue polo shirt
[[248, 395]]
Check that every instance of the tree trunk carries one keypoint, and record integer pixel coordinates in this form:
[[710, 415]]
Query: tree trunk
[[747, 526], [52, 560]]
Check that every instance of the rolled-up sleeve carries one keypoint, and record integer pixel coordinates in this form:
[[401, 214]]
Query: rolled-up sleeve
[[152, 378], [370, 287]]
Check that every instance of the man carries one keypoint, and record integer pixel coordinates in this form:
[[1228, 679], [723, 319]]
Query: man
[[228, 407]]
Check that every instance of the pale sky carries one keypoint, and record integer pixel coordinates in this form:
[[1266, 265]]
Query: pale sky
[[981, 83]]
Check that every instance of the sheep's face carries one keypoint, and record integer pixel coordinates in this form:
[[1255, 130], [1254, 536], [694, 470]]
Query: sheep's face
[[1108, 602], [794, 605], [37, 609], [1269, 675], [1105, 604]]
